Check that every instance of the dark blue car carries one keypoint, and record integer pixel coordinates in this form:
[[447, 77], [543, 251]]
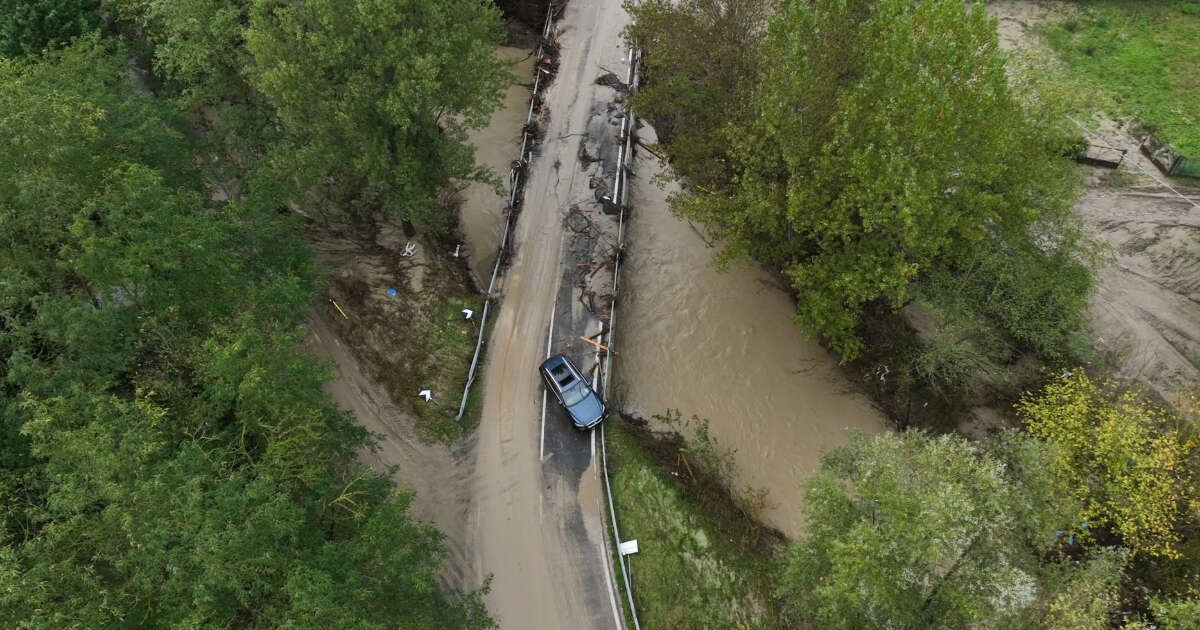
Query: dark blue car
[[572, 391]]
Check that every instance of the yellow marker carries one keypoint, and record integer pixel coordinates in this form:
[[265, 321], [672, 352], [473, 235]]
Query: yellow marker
[[335, 305]]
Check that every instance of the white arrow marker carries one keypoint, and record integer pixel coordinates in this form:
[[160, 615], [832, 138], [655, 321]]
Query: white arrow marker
[[426, 394], [467, 313]]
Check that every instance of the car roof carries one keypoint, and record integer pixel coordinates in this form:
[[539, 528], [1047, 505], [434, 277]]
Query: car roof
[[553, 361]]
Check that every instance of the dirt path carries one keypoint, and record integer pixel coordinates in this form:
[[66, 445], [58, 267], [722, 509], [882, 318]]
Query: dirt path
[[536, 525], [440, 477]]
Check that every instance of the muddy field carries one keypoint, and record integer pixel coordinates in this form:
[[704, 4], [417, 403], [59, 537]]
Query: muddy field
[[1146, 310]]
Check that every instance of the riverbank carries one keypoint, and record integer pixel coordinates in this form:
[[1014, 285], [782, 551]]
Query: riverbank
[[723, 346], [704, 561]]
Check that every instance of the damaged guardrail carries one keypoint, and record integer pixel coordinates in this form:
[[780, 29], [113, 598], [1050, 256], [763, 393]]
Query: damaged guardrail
[[620, 197], [543, 72]]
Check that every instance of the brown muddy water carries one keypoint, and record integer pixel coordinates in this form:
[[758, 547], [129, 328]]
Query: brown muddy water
[[496, 146], [722, 346]]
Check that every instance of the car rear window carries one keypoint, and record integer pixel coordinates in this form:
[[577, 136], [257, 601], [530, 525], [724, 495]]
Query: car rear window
[[562, 375]]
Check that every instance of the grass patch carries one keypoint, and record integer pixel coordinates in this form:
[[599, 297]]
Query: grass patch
[[404, 320], [451, 346], [703, 562], [1145, 55]]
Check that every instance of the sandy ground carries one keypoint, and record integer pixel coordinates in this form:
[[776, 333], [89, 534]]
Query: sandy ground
[[1146, 309], [439, 476]]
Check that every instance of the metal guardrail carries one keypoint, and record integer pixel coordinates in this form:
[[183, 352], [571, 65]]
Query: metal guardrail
[[621, 199], [515, 183]]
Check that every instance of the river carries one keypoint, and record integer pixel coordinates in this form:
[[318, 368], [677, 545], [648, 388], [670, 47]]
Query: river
[[723, 346], [496, 146]]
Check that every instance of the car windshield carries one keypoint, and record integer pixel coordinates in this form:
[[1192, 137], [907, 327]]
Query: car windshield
[[574, 395]]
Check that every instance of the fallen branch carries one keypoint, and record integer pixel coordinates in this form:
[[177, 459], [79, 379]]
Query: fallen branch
[[600, 345]]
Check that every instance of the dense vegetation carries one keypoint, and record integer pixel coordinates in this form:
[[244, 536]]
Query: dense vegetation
[[167, 455], [351, 110], [875, 155], [1145, 56], [1089, 520], [31, 26], [915, 531]]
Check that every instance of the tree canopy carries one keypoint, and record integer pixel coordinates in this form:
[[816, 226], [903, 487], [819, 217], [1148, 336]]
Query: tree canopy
[[1132, 465], [355, 110], [917, 531], [871, 152], [169, 458], [375, 97], [27, 27]]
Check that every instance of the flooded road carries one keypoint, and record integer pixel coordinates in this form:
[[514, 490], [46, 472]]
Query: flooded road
[[535, 524], [722, 346], [496, 146]]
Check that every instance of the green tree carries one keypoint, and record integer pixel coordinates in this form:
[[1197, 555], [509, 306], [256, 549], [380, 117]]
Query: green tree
[[169, 458], [198, 53], [886, 144], [1087, 593], [27, 27], [917, 531], [375, 98], [1177, 614], [700, 61], [1131, 466]]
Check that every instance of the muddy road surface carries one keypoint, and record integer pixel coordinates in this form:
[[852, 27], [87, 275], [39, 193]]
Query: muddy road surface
[[536, 518]]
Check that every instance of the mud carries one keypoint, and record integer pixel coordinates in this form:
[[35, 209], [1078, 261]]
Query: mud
[[1145, 312], [536, 521], [439, 476], [496, 146], [722, 346], [1146, 309], [387, 307]]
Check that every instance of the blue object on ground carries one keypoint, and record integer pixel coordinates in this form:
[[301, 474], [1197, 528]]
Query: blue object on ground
[[391, 292]]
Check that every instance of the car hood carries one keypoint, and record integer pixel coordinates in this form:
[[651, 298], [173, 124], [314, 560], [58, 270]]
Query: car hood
[[587, 411]]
